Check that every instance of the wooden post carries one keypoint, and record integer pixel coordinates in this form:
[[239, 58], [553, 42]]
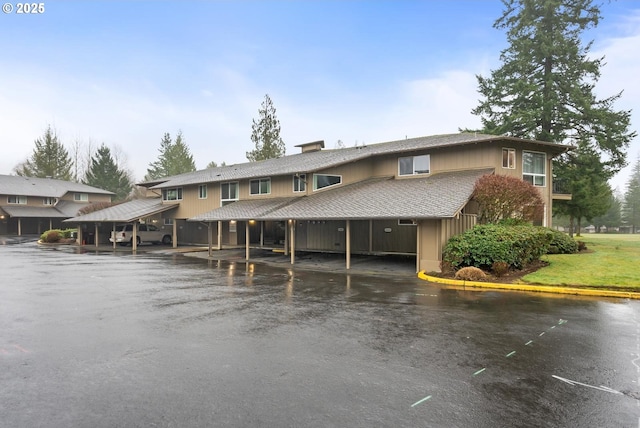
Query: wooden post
[[95, 235], [246, 239], [175, 233], [113, 234], [348, 243], [209, 238], [134, 240], [292, 240]]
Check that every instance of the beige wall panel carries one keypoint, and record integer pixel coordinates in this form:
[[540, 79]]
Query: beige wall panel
[[191, 205], [430, 246]]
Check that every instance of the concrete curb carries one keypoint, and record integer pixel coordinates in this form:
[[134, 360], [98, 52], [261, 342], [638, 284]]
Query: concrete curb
[[536, 288]]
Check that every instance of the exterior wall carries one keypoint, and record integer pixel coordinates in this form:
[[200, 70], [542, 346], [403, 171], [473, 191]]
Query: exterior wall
[[93, 197], [380, 236], [434, 234]]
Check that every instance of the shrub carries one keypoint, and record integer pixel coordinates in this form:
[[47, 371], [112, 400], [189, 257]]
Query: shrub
[[470, 273], [562, 243], [69, 233], [503, 196], [53, 235], [500, 268], [485, 244]]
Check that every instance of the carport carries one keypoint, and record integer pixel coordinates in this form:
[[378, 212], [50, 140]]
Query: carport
[[35, 220], [124, 213], [435, 207]]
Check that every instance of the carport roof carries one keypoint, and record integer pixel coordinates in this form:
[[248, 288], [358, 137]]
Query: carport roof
[[126, 212], [63, 209], [440, 195], [244, 210]]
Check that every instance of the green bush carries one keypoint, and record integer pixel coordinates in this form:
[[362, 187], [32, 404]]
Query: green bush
[[517, 246], [50, 236], [55, 235], [562, 243]]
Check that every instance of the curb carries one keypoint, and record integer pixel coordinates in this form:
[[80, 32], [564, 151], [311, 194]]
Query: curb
[[536, 288]]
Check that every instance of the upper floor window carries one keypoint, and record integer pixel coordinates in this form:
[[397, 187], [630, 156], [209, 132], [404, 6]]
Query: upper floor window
[[534, 168], [228, 192], [260, 187], [321, 181], [17, 199], [174, 194], [412, 165], [202, 191], [84, 197], [509, 158], [300, 183], [48, 201]]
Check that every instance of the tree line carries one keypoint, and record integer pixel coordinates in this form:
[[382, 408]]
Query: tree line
[[102, 168], [544, 89]]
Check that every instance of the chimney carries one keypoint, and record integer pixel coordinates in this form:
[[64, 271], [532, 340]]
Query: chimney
[[315, 146]]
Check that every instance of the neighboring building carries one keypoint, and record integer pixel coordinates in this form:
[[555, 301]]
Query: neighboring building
[[30, 205], [402, 197]]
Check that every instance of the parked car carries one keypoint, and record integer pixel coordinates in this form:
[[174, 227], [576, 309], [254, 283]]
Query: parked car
[[145, 233]]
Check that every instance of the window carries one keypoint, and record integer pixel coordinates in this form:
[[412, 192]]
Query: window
[[412, 165], [300, 183], [509, 158], [228, 192], [533, 168], [260, 187], [321, 181], [48, 201], [202, 191], [403, 222], [172, 194], [17, 200], [80, 197], [168, 222]]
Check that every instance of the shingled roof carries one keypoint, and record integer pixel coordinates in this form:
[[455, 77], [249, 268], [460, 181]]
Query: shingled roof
[[322, 159], [43, 187], [440, 195], [125, 212]]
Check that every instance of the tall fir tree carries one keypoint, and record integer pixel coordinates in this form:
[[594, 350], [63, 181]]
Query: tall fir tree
[[104, 173], [544, 89], [174, 158], [49, 159], [265, 134], [631, 205]]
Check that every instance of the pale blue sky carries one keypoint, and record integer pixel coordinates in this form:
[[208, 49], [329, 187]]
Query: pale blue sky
[[126, 72]]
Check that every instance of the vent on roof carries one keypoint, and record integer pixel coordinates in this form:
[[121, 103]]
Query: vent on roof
[[315, 146]]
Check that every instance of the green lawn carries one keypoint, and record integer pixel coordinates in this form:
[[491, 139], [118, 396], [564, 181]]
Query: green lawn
[[612, 261]]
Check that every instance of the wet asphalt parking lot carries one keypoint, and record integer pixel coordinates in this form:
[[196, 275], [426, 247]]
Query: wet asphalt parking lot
[[103, 339]]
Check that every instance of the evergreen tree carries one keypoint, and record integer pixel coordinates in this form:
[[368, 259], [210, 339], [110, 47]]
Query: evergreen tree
[[631, 205], [265, 134], [591, 193], [49, 159], [175, 158], [544, 89], [612, 218], [214, 164], [104, 173]]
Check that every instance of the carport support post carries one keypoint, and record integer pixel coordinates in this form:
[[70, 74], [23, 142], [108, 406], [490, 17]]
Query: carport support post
[[262, 233], [348, 243], [292, 240], [50, 224], [95, 235], [219, 234], [19, 226], [417, 246], [209, 237], [246, 239], [175, 233], [286, 238], [113, 234], [80, 234], [134, 243]]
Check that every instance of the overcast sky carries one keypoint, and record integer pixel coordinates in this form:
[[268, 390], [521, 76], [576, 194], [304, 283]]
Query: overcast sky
[[125, 72]]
